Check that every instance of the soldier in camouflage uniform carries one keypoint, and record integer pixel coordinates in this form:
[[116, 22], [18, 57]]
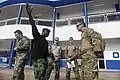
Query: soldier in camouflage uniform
[[21, 58], [55, 62], [71, 55], [91, 48], [39, 48]]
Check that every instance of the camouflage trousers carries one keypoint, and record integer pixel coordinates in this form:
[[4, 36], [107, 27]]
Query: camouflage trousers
[[75, 69], [89, 67], [53, 65], [40, 66], [19, 69]]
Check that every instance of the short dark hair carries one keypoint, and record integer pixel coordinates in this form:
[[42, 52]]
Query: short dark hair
[[46, 29], [57, 38], [18, 31]]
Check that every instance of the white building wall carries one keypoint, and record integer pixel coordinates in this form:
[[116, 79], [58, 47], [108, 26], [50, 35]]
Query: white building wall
[[113, 44], [7, 32], [108, 30]]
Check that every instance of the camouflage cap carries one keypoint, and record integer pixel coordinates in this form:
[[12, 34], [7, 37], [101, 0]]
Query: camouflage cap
[[79, 23]]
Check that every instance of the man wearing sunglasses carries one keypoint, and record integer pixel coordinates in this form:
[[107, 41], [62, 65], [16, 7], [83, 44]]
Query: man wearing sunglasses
[[92, 46]]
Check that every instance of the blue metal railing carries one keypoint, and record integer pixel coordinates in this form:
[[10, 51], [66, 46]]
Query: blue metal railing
[[110, 16]]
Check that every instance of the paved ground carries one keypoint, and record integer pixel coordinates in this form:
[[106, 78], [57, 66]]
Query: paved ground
[[6, 74]]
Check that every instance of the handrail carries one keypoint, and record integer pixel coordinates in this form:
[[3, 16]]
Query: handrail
[[25, 18], [68, 19], [8, 19]]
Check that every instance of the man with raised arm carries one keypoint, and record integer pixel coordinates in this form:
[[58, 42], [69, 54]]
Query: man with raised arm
[[40, 48]]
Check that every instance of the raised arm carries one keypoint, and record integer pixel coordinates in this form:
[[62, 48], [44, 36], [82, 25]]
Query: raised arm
[[35, 32]]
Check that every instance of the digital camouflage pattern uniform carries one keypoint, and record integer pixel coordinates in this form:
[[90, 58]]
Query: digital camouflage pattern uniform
[[54, 63], [40, 66], [71, 52], [21, 58], [39, 48], [91, 48]]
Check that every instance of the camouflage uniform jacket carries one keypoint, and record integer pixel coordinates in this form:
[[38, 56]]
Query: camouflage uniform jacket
[[71, 51], [55, 51], [92, 39], [22, 46]]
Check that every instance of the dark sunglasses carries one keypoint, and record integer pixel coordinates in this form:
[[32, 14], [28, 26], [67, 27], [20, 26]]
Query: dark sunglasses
[[77, 26]]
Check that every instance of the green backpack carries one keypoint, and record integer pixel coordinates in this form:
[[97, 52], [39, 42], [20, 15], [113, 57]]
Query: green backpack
[[97, 40]]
